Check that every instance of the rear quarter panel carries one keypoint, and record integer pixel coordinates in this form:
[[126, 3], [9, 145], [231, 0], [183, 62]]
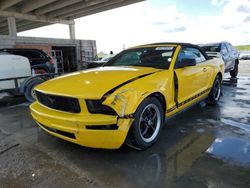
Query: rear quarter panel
[[217, 66]]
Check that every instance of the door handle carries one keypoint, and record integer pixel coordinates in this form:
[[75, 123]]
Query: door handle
[[204, 69]]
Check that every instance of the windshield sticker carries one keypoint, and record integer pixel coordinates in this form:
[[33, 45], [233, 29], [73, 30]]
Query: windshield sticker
[[164, 48], [167, 54]]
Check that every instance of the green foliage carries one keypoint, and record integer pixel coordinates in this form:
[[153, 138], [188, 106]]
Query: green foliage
[[243, 48]]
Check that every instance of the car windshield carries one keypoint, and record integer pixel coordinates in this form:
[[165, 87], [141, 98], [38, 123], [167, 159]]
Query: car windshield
[[212, 48], [156, 57]]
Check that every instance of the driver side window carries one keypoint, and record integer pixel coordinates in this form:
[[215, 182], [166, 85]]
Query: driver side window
[[189, 53]]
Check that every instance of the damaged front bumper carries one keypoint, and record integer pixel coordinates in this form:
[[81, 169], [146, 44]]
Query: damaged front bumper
[[91, 130]]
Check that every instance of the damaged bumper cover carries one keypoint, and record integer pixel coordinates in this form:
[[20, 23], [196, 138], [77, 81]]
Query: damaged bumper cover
[[91, 130]]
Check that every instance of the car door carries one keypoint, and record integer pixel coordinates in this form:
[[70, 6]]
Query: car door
[[226, 57], [232, 55], [192, 80]]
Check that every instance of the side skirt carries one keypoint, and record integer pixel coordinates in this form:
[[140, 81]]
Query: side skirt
[[167, 118]]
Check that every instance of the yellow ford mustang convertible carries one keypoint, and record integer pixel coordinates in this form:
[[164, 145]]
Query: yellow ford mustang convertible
[[129, 97]]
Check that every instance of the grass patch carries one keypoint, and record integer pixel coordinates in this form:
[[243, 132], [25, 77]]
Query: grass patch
[[243, 47]]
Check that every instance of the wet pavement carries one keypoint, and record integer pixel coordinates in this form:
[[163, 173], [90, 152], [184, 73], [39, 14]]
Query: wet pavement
[[207, 146]]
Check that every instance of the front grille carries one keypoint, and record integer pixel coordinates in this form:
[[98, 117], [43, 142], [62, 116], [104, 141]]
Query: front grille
[[61, 103]]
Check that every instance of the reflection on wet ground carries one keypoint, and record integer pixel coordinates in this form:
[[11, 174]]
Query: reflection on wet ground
[[234, 150], [207, 146]]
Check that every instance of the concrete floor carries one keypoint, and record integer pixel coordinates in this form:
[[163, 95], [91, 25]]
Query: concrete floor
[[207, 146]]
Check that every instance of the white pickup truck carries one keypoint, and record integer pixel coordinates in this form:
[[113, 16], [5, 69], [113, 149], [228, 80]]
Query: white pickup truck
[[16, 77]]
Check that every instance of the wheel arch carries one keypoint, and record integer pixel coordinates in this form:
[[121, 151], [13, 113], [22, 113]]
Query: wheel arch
[[220, 75], [159, 96], [126, 102]]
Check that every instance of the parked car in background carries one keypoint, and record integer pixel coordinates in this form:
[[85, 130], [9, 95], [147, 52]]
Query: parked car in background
[[13, 66], [244, 55], [228, 53], [16, 77], [39, 60], [129, 97], [99, 63]]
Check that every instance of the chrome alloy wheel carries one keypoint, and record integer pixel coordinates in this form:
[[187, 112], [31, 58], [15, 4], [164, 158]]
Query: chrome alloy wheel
[[149, 123]]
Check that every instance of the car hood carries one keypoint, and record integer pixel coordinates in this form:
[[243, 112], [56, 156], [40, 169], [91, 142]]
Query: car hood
[[93, 83]]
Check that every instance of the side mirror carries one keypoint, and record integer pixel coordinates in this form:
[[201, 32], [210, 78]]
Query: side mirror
[[187, 62]]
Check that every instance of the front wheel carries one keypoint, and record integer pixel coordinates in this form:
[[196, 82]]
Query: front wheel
[[215, 93], [145, 130]]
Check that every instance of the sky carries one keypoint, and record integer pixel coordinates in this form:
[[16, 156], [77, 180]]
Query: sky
[[151, 21]]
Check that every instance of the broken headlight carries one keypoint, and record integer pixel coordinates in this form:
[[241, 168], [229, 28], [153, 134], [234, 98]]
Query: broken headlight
[[96, 107]]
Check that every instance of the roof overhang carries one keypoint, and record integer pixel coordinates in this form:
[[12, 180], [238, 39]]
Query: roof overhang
[[30, 14]]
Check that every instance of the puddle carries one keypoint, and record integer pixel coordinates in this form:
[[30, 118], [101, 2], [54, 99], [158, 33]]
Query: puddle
[[247, 102], [232, 150], [245, 127]]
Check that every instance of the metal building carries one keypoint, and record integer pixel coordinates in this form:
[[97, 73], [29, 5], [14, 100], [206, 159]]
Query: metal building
[[21, 15]]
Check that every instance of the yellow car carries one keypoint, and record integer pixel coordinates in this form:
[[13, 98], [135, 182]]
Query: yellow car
[[129, 97]]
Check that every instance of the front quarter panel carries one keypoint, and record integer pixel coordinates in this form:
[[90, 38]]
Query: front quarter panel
[[126, 99]]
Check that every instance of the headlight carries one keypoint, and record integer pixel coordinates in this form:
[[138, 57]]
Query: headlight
[[96, 107]]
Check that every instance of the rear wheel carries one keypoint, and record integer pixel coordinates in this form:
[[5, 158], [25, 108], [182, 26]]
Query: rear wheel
[[215, 93], [148, 121], [234, 72]]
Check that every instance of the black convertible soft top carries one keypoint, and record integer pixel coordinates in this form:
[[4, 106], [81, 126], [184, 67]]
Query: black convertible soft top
[[183, 45]]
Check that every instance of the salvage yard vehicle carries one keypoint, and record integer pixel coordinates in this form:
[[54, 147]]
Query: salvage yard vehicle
[[228, 53], [129, 97], [16, 77], [94, 64], [39, 60]]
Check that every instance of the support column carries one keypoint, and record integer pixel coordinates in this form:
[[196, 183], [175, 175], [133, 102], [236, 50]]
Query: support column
[[72, 33], [12, 26]]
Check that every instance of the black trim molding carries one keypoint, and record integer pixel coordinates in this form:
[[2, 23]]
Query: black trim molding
[[188, 100]]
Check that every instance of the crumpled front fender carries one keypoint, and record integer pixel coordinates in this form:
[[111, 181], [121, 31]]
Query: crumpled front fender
[[125, 102]]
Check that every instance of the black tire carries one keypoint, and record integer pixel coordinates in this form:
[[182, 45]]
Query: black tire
[[215, 93], [145, 130], [28, 92], [234, 72]]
